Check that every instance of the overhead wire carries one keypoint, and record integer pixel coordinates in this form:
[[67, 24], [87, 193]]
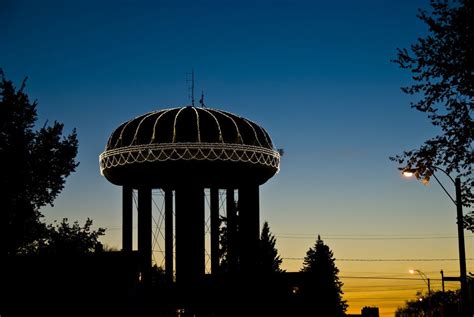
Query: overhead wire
[[385, 260]]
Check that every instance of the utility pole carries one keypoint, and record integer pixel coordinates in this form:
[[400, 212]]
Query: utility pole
[[465, 305], [442, 280], [429, 298], [462, 253]]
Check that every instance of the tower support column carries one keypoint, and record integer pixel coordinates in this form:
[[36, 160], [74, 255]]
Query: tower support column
[[214, 202], [190, 238], [144, 232], [232, 238], [169, 235], [249, 231], [127, 218]]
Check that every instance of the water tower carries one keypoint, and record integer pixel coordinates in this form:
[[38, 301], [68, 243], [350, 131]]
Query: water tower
[[184, 151]]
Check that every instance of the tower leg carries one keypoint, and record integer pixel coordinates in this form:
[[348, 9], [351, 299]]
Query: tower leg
[[169, 235], [214, 230], [190, 239], [232, 238], [127, 218], [249, 230], [144, 232]]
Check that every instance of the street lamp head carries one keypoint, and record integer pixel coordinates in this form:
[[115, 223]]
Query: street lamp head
[[417, 271], [409, 172]]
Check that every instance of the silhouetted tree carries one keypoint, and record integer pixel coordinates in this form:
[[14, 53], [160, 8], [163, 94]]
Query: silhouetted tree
[[33, 167], [442, 304], [158, 275], [321, 290], [469, 220], [66, 239], [269, 260], [442, 67], [223, 245], [108, 248], [224, 241]]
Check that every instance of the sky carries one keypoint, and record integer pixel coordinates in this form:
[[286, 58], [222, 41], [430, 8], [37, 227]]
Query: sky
[[315, 74]]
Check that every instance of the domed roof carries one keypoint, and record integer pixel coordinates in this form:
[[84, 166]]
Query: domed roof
[[171, 146], [189, 125]]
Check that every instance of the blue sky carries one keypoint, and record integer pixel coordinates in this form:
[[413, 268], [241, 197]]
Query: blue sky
[[316, 74]]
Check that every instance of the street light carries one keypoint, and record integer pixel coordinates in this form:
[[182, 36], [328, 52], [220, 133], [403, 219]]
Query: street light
[[460, 219], [427, 281]]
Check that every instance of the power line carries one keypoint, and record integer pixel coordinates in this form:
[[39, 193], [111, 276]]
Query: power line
[[364, 235], [387, 278], [374, 237], [394, 273], [388, 260], [380, 300], [305, 236], [382, 289]]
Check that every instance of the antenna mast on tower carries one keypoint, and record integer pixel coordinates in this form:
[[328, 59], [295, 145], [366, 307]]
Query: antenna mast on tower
[[201, 101], [190, 88]]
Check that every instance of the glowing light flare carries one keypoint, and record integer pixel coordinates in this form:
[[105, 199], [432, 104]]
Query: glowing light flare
[[411, 172], [425, 181], [407, 173]]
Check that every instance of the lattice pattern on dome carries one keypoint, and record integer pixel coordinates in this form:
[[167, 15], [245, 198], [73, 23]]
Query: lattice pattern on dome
[[189, 125], [188, 152]]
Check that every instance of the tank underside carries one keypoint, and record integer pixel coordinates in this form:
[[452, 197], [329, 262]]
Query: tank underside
[[175, 174]]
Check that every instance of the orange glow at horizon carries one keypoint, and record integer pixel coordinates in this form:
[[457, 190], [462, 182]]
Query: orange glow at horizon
[[386, 285]]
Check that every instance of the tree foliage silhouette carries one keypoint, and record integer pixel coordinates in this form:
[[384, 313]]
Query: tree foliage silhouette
[[223, 245], [63, 238], [321, 290], [269, 260], [442, 68], [442, 304], [33, 167]]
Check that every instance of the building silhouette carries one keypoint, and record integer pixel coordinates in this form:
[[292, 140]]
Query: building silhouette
[[367, 312]]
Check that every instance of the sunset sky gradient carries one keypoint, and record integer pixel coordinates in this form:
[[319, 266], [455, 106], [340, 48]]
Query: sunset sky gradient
[[316, 74]]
